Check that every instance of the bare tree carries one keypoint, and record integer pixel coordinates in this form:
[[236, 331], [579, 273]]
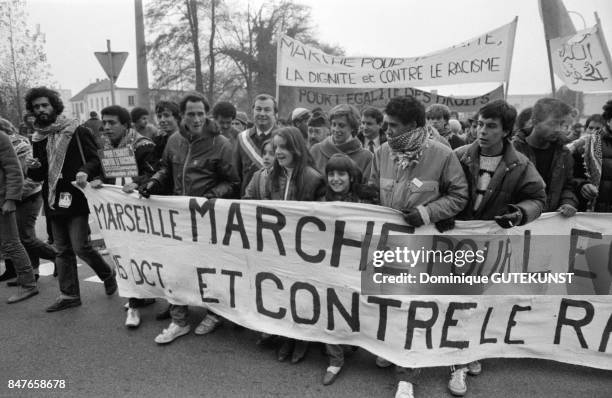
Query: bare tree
[[24, 63], [250, 41]]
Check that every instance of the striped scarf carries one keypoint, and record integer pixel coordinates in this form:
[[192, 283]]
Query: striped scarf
[[58, 136], [407, 147]]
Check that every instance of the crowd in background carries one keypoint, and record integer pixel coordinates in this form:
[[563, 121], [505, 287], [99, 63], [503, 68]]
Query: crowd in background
[[494, 165]]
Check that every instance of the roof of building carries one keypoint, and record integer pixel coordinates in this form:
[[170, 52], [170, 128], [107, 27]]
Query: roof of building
[[96, 87]]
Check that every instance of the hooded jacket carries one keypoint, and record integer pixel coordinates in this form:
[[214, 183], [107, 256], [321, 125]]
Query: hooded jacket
[[435, 186], [516, 182], [560, 184], [322, 151], [198, 166]]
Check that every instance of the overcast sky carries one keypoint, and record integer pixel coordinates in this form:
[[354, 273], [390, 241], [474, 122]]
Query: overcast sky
[[75, 29]]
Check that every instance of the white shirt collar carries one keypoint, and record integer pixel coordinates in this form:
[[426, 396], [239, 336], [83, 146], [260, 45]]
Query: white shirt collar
[[259, 132]]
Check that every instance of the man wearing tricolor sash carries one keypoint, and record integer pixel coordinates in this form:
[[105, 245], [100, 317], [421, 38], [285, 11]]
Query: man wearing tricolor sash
[[247, 157]]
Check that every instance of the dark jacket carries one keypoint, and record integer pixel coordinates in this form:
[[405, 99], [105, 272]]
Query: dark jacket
[[95, 126], [231, 135], [515, 182], [560, 184], [73, 163], [313, 187], [382, 138], [144, 152], [242, 162], [11, 177], [198, 167]]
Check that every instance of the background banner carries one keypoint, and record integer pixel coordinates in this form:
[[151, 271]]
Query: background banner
[[294, 269], [327, 98], [485, 58]]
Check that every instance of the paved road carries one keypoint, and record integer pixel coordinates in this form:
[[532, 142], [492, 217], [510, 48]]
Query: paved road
[[97, 356]]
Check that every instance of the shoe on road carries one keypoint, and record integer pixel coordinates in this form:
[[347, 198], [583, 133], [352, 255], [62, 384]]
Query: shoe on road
[[64, 303], [132, 320], [404, 390], [171, 333], [458, 383], [299, 351], [331, 374], [474, 368], [208, 324], [22, 294], [110, 284]]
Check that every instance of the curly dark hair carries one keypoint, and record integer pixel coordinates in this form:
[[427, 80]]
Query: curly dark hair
[[53, 96], [406, 109], [607, 110], [224, 109], [122, 114]]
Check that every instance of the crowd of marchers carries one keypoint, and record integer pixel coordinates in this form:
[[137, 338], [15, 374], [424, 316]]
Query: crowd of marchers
[[435, 169]]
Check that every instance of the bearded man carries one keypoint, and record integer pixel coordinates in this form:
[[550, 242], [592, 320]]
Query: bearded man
[[65, 153]]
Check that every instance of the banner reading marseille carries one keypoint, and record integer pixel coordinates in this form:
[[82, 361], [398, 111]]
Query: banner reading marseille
[[485, 58], [297, 269]]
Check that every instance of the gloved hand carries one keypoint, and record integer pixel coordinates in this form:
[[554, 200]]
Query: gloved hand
[[413, 217], [511, 218], [567, 210], [148, 189], [445, 225]]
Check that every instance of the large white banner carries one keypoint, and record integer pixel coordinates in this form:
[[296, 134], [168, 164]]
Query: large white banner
[[581, 61], [295, 269], [485, 58]]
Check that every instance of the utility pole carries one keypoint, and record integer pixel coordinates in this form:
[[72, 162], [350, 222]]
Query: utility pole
[[141, 58]]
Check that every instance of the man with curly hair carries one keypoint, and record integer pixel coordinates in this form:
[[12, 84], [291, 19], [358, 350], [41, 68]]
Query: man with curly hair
[[65, 152], [423, 179]]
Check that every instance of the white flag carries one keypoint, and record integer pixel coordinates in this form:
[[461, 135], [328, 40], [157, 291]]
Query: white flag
[[581, 61]]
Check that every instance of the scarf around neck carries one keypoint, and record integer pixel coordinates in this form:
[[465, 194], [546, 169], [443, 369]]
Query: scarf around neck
[[58, 135], [407, 147]]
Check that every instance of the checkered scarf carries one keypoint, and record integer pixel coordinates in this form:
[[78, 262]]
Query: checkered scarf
[[407, 147], [58, 136]]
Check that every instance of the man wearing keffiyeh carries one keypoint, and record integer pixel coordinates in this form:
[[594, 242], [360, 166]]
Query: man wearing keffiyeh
[[65, 157], [420, 177]]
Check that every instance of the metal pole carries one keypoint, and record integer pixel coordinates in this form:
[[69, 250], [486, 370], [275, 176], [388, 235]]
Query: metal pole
[[112, 72], [550, 67]]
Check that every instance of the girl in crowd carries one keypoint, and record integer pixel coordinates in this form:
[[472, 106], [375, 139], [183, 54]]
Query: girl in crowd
[[343, 184], [257, 185], [293, 177]]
